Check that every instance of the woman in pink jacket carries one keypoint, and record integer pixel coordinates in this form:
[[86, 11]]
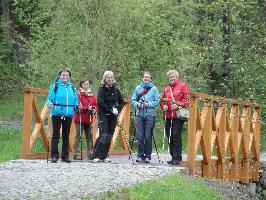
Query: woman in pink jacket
[[174, 96], [83, 118]]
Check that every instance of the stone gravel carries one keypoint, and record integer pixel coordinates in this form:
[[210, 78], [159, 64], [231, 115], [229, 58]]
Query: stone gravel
[[37, 179]]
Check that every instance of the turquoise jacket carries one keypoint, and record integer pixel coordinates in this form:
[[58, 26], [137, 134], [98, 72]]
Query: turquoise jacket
[[152, 97], [65, 99]]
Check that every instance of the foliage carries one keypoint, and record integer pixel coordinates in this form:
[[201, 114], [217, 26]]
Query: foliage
[[131, 36], [10, 143]]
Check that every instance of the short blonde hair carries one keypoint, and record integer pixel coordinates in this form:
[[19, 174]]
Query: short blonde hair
[[170, 72], [106, 73]]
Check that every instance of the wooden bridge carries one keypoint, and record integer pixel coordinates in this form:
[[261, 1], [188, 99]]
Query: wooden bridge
[[225, 132]]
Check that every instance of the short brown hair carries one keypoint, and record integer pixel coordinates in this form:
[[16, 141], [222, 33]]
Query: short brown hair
[[82, 81], [65, 70]]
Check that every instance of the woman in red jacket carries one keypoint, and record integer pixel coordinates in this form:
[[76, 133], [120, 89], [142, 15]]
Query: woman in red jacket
[[83, 118], [174, 96]]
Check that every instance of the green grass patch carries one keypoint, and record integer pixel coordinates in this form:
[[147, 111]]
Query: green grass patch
[[173, 186], [12, 109], [10, 143]]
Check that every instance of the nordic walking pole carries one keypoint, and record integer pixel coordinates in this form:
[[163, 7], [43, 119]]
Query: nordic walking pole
[[132, 142], [164, 132], [166, 101], [91, 132], [133, 139], [126, 139], [156, 149], [170, 134], [80, 133]]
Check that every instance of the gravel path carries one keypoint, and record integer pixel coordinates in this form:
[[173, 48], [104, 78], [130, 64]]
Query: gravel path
[[35, 179]]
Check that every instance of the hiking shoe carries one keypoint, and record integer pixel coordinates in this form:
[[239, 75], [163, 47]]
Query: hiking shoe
[[140, 160], [170, 162], [107, 159], [96, 160], [147, 160], [54, 160], [66, 160], [176, 162], [173, 162], [75, 157]]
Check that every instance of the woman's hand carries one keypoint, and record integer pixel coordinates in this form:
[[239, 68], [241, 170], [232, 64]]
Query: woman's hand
[[51, 105], [165, 108], [80, 106], [174, 106]]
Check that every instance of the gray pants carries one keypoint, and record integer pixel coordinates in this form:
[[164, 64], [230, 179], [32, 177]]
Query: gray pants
[[87, 129]]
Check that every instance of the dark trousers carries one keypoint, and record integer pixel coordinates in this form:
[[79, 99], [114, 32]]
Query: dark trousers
[[57, 122], [78, 137], [175, 126], [106, 124]]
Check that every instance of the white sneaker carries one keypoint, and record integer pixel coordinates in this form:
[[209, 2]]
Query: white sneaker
[[107, 160], [96, 160]]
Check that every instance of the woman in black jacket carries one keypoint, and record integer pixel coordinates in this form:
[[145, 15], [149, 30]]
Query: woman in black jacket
[[110, 103]]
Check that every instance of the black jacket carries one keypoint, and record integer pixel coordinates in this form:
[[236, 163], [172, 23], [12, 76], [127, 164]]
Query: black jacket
[[109, 97]]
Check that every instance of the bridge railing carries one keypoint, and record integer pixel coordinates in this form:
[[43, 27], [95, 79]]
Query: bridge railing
[[37, 123], [227, 134]]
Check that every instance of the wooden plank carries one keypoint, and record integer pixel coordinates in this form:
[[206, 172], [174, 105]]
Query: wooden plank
[[39, 127], [94, 128], [35, 90], [72, 135], [118, 152]]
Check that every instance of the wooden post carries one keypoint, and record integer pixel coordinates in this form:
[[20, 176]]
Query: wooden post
[[27, 118], [206, 140], [192, 131], [234, 123]]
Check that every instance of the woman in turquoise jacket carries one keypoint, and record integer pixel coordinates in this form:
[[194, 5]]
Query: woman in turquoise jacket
[[62, 101], [145, 98]]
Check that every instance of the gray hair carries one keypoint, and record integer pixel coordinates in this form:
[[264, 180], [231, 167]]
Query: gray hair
[[170, 72], [106, 73]]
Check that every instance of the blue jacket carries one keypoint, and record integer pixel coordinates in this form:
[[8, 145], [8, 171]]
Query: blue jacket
[[152, 97], [65, 99]]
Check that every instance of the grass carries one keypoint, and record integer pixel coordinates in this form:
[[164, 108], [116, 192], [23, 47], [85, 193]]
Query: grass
[[173, 186], [10, 143]]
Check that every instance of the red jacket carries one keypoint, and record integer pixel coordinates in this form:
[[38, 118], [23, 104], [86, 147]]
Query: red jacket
[[180, 92], [85, 100]]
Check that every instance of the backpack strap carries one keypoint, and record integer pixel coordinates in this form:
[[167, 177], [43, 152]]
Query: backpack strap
[[56, 87], [145, 91]]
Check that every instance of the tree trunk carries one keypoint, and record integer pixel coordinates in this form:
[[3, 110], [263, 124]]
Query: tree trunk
[[6, 10], [226, 41], [205, 40]]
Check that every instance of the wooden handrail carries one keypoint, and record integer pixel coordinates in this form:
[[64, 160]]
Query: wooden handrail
[[229, 140], [223, 99], [29, 137], [224, 135]]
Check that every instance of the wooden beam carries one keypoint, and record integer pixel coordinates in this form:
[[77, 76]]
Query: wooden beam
[[27, 118]]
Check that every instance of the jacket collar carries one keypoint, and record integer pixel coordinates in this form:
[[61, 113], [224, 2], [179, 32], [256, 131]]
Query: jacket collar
[[147, 85], [174, 84]]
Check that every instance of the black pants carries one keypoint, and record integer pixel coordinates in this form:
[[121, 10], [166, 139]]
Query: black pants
[[107, 124], [176, 139], [57, 121], [87, 129]]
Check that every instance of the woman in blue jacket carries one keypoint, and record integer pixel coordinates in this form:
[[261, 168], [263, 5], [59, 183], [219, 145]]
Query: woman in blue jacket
[[145, 98], [62, 101]]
